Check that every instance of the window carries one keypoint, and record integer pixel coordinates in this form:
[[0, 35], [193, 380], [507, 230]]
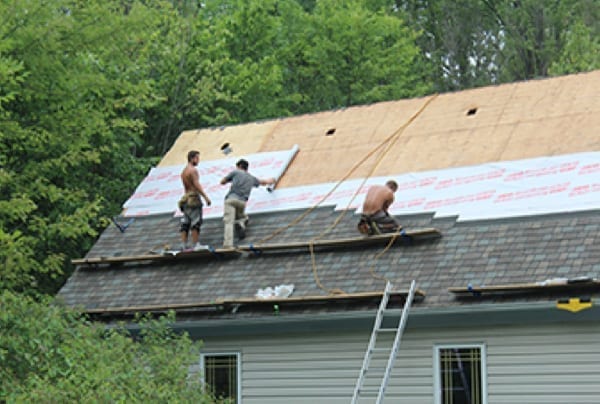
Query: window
[[221, 375], [460, 374]]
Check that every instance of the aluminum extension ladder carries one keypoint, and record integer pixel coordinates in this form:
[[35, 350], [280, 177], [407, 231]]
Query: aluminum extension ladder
[[358, 389]]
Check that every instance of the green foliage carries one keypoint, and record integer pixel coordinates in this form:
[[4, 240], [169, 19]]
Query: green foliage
[[50, 354], [68, 123], [476, 43], [253, 35], [357, 56], [532, 36], [233, 61], [580, 54], [458, 39]]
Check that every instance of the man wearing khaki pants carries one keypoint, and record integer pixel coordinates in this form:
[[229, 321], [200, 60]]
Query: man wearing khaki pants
[[234, 211]]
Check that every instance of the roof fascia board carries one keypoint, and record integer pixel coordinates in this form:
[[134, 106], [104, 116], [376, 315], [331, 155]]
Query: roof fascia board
[[463, 316]]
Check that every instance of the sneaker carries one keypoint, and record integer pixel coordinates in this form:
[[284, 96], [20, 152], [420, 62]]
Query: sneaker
[[200, 247], [184, 247]]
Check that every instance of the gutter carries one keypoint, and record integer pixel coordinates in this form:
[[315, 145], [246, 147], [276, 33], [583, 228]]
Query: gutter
[[419, 318]]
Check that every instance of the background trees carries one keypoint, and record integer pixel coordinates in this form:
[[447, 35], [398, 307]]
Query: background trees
[[353, 55], [70, 125], [475, 43]]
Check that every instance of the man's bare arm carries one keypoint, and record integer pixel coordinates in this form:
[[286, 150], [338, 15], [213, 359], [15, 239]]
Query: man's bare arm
[[266, 181], [387, 203], [198, 186]]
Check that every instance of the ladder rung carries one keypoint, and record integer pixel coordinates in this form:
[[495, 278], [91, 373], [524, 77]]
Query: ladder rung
[[369, 391], [387, 330], [374, 372], [381, 349]]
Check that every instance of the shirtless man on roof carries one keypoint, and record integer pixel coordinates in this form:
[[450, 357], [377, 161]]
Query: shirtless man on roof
[[191, 203], [375, 217]]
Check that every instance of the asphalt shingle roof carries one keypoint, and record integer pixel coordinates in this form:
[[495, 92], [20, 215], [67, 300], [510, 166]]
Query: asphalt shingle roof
[[492, 252]]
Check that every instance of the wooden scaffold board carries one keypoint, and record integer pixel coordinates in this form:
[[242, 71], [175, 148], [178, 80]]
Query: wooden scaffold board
[[225, 303], [532, 287], [404, 236], [159, 256]]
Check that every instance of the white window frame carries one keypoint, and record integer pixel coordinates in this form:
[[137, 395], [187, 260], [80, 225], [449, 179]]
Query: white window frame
[[437, 382], [238, 365]]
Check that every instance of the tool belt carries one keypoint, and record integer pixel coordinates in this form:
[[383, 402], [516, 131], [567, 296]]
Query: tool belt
[[191, 200], [378, 223]]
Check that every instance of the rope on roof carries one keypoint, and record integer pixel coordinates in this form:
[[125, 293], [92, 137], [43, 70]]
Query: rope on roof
[[390, 141]]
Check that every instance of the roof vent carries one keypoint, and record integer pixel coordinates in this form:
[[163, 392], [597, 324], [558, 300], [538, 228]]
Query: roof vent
[[226, 148], [330, 132], [471, 111]]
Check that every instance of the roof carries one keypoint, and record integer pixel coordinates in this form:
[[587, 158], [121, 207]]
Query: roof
[[492, 252], [496, 123], [512, 121]]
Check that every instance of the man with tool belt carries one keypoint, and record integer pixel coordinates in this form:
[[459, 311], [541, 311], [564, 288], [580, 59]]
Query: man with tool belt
[[375, 217], [190, 203]]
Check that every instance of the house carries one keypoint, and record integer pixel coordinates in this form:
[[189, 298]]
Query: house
[[507, 311]]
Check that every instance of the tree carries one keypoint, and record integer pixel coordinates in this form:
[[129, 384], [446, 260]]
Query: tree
[[52, 354], [531, 36], [580, 54], [459, 39], [174, 44], [354, 55], [253, 38], [475, 43], [68, 130]]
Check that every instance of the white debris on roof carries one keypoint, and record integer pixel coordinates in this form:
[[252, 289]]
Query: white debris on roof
[[278, 292]]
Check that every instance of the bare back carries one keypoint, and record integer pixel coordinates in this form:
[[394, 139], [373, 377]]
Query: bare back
[[189, 177], [379, 197]]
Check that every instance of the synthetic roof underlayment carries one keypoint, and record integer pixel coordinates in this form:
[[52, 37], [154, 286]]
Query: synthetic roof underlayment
[[493, 190]]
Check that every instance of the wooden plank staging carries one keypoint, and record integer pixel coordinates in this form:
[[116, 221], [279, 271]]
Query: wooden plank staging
[[419, 295], [574, 284], [421, 234], [216, 253], [411, 235]]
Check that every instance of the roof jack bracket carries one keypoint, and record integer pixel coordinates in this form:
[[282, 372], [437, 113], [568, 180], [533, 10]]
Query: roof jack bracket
[[122, 226], [215, 253], [255, 251]]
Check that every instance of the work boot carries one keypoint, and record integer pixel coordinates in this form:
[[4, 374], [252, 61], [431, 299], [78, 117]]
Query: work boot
[[240, 229]]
